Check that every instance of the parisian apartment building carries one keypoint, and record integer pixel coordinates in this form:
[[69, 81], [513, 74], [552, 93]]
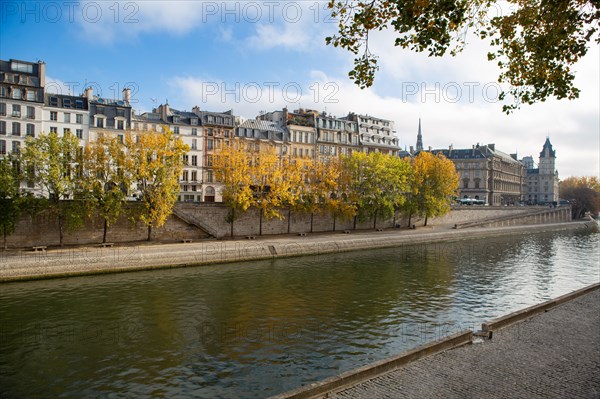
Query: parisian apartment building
[[27, 110]]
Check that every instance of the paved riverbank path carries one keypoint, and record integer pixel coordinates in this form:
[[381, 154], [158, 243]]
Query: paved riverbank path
[[555, 354]]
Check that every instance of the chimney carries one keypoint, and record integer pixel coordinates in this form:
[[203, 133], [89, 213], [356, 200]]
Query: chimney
[[196, 110], [473, 151], [89, 93], [127, 94], [412, 149], [430, 148], [164, 112], [492, 147], [42, 73]]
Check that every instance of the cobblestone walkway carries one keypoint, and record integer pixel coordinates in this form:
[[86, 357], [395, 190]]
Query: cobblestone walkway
[[553, 355]]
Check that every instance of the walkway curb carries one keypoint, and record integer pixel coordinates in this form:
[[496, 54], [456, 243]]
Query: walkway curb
[[526, 313], [364, 373]]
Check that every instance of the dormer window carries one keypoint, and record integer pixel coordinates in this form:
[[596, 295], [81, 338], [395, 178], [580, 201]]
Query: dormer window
[[194, 121]]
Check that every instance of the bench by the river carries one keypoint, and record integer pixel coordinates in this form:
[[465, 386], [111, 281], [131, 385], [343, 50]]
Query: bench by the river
[[186, 240], [106, 244], [40, 248]]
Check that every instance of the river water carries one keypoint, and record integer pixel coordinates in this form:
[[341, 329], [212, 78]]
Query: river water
[[255, 329]]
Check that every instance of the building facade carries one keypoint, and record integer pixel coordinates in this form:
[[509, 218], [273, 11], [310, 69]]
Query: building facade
[[542, 182], [375, 134], [21, 102], [487, 174]]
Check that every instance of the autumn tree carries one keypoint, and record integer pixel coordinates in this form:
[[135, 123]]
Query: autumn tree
[[379, 183], [157, 162], [10, 198], [269, 184], [583, 193], [434, 181], [50, 162], [535, 43], [309, 194], [295, 171], [232, 165], [105, 178], [333, 183]]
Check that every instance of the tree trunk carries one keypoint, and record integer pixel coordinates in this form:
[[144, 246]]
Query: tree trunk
[[394, 222], [409, 219], [375, 221], [289, 218], [334, 221], [260, 223], [60, 230], [354, 225], [311, 221], [149, 232], [232, 220], [425, 224], [105, 230], [4, 234]]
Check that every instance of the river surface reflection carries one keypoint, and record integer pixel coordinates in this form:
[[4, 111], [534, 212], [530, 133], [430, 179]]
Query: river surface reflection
[[255, 329]]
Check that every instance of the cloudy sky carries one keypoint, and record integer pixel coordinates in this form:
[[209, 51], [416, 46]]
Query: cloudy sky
[[261, 56]]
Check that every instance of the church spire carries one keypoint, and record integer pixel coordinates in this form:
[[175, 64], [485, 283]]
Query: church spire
[[419, 138]]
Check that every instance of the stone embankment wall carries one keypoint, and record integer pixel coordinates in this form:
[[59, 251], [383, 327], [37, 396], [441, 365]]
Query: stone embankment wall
[[203, 221], [43, 230], [541, 216]]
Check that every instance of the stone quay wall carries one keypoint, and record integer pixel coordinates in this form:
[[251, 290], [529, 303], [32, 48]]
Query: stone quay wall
[[200, 221]]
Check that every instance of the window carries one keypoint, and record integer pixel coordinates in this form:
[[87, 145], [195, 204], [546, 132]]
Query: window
[[194, 144], [21, 67], [194, 131], [194, 160], [2, 147], [209, 176], [295, 152], [67, 117], [185, 175], [16, 94], [66, 131], [16, 110], [100, 122], [54, 101], [209, 160], [3, 109], [121, 112], [53, 129], [53, 116], [67, 103], [176, 129], [2, 91], [79, 104], [78, 118], [79, 133], [16, 147], [210, 131], [30, 113], [194, 177], [2, 127], [186, 160], [16, 129], [120, 125], [209, 144], [194, 122], [193, 189], [30, 130]]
